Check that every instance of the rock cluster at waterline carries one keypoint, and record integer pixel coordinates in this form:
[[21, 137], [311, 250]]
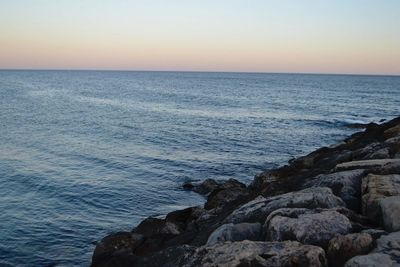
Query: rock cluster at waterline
[[337, 206]]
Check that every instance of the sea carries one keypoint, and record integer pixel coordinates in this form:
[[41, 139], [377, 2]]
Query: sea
[[87, 153]]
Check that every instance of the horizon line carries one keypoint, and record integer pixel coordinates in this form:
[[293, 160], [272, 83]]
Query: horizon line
[[198, 71]]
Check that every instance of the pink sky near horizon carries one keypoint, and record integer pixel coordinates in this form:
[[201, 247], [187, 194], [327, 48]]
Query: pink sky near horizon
[[318, 38]]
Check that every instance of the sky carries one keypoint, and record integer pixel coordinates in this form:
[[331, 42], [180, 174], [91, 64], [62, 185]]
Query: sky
[[308, 36]]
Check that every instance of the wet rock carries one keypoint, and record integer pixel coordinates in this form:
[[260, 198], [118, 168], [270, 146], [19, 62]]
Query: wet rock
[[115, 245], [390, 208], [249, 254], [314, 227], [230, 192], [209, 185], [205, 187], [374, 188], [345, 184], [344, 247], [258, 209], [236, 232]]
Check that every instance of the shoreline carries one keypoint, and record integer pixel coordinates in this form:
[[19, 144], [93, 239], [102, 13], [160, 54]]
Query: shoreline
[[329, 207]]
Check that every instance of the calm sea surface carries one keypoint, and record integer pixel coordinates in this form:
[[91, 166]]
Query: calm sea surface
[[84, 153]]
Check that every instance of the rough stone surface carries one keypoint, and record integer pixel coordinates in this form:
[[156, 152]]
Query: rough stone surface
[[379, 164], [249, 254], [386, 253], [390, 208], [392, 132], [372, 260], [373, 189], [258, 209], [230, 191], [236, 232], [345, 184], [113, 245], [374, 233], [344, 247], [314, 227]]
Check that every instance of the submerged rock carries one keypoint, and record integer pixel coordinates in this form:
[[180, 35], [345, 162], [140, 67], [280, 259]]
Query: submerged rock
[[314, 227], [259, 209]]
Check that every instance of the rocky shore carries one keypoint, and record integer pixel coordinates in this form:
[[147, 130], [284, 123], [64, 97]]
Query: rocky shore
[[337, 206]]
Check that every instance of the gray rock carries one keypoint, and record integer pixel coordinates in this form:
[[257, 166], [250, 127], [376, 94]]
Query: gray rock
[[373, 189], [250, 254], [381, 165], [390, 208], [374, 233], [372, 260], [314, 227], [386, 253], [345, 184], [258, 209], [236, 232], [344, 247], [389, 244]]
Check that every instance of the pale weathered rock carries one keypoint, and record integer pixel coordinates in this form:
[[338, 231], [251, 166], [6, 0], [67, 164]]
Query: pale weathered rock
[[344, 247], [390, 208], [249, 254], [258, 209], [378, 164], [314, 227], [345, 184], [236, 232], [374, 188]]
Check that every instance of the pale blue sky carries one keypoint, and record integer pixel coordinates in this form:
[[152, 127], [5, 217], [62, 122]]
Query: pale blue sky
[[353, 36]]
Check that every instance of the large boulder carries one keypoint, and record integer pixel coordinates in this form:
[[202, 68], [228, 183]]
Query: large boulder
[[344, 247], [373, 189], [345, 184], [386, 253], [250, 254], [314, 227], [236, 232], [258, 209], [115, 245], [390, 208]]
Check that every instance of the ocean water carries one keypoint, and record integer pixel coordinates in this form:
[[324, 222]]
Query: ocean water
[[86, 153]]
